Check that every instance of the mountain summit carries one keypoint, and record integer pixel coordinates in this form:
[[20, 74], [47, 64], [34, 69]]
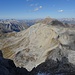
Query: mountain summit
[[40, 42], [47, 20]]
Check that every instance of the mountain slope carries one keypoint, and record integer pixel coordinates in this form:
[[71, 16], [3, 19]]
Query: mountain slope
[[12, 25], [39, 42]]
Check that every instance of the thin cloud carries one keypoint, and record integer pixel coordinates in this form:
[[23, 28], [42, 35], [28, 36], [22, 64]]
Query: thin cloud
[[38, 8], [60, 11], [33, 4]]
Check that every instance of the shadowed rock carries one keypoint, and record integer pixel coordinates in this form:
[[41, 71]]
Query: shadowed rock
[[49, 67], [32, 45], [1, 55], [7, 67]]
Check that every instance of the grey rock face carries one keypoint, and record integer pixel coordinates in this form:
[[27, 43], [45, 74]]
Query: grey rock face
[[7, 67], [49, 67], [41, 42]]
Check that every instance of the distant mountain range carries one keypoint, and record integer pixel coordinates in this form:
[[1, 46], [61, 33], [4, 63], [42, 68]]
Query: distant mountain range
[[68, 20], [10, 25]]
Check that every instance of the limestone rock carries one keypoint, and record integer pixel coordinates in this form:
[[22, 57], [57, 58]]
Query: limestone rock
[[33, 46]]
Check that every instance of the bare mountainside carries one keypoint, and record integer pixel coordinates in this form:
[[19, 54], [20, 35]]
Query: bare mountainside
[[38, 43], [10, 25]]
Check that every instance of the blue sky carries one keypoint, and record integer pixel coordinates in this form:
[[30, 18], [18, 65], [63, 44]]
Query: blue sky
[[31, 9]]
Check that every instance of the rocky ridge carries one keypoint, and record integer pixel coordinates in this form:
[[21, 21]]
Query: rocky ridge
[[40, 42], [49, 67]]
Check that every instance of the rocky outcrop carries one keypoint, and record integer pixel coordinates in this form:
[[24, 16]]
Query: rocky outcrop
[[47, 20], [7, 67], [33, 46], [6, 27], [49, 67]]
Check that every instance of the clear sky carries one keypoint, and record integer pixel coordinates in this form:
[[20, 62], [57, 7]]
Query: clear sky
[[31, 9]]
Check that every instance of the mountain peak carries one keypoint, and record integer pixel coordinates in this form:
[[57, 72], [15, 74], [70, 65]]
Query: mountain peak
[[47, 20]]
